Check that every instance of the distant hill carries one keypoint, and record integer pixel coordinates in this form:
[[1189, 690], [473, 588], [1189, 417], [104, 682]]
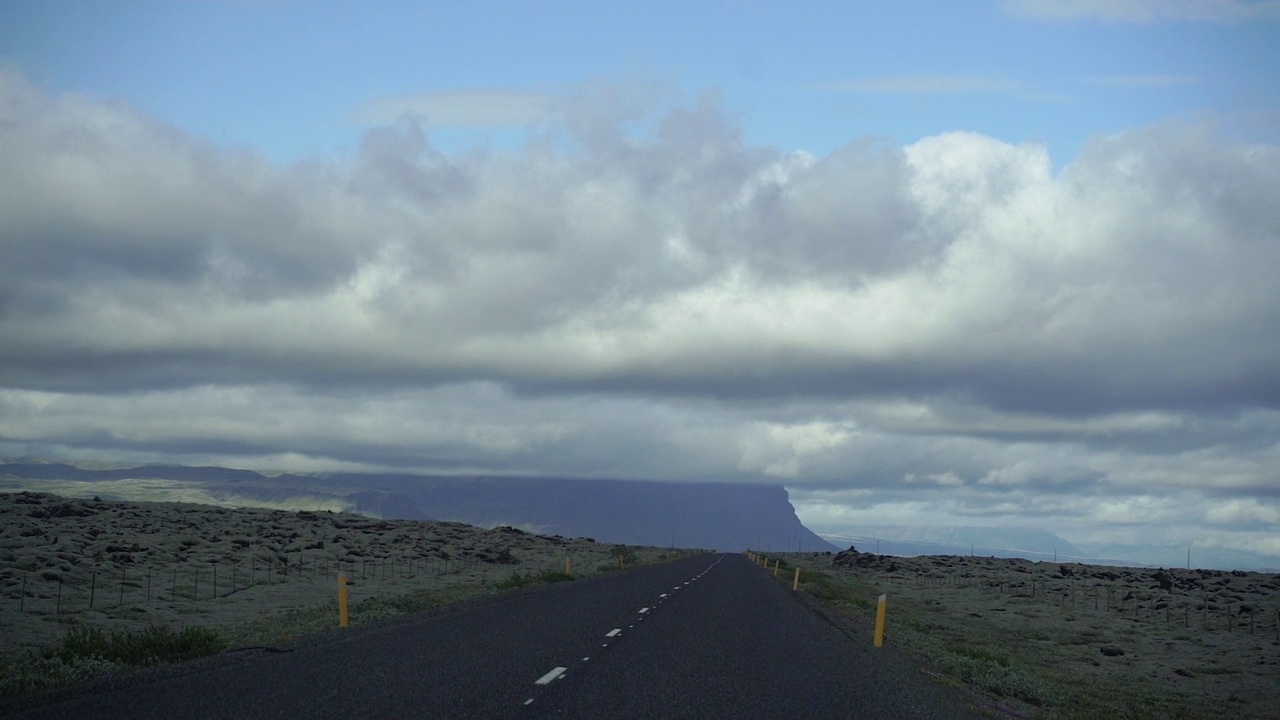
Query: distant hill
[[724, 516]]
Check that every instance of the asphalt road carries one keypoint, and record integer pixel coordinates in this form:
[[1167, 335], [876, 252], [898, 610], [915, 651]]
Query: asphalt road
[[710, 636]]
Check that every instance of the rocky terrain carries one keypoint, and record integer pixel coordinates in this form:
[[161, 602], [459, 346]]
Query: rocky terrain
[[121, 565], [1139, 642]]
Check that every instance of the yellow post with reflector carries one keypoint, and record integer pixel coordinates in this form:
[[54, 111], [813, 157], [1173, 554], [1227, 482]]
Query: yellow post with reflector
[[344, 619], [879, 639], [795, 584]]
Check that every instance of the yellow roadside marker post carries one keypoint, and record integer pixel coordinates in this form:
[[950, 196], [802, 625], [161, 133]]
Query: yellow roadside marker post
[[775, 567], [343, 619], [795, 584], [879, 640]]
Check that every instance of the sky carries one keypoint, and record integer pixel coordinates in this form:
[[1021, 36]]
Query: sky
[[923, 263]]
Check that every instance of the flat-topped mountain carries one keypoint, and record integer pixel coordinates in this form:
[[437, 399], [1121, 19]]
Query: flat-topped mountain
[[724, 516]]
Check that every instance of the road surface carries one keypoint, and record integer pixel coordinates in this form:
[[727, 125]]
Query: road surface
[[711, 636]]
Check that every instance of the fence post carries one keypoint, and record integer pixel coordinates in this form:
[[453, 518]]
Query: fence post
[[880, 610], [123, 572], [58, 611], [22, 597], [93, 587], [148, 586], [215, 581], [795, 584], [343, 619]]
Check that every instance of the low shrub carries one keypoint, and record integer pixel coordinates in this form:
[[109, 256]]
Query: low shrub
[[86, 652]]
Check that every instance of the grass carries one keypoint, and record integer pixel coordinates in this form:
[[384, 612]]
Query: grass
[[925, 631], [88, 651], [519, 580], [151, 645], [1011, 657]]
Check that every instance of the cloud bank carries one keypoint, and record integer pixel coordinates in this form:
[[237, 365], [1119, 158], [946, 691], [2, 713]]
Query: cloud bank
[[943, 330]]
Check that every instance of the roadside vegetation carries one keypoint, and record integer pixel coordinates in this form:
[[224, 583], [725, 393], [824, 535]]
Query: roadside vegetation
[[90, 651], [87, 652], [1013, 667]]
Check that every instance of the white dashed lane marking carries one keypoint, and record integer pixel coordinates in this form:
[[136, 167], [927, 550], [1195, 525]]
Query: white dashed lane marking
[[555, 673], [558, 672]]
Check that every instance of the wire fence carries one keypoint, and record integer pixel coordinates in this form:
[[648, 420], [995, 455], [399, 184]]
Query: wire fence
[[105, 587], [64, 591], [1193, 608], [1208, 600]]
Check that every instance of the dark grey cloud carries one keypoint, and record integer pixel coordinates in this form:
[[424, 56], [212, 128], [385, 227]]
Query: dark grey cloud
[[950, 329]]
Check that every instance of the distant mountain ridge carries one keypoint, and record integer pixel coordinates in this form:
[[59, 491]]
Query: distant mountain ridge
[[1040, 545], [724, 516]]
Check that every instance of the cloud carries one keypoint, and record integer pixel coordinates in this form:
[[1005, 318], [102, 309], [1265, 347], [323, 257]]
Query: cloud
[[459, 108], [926, 85], [951, 328], [1145, 11]]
